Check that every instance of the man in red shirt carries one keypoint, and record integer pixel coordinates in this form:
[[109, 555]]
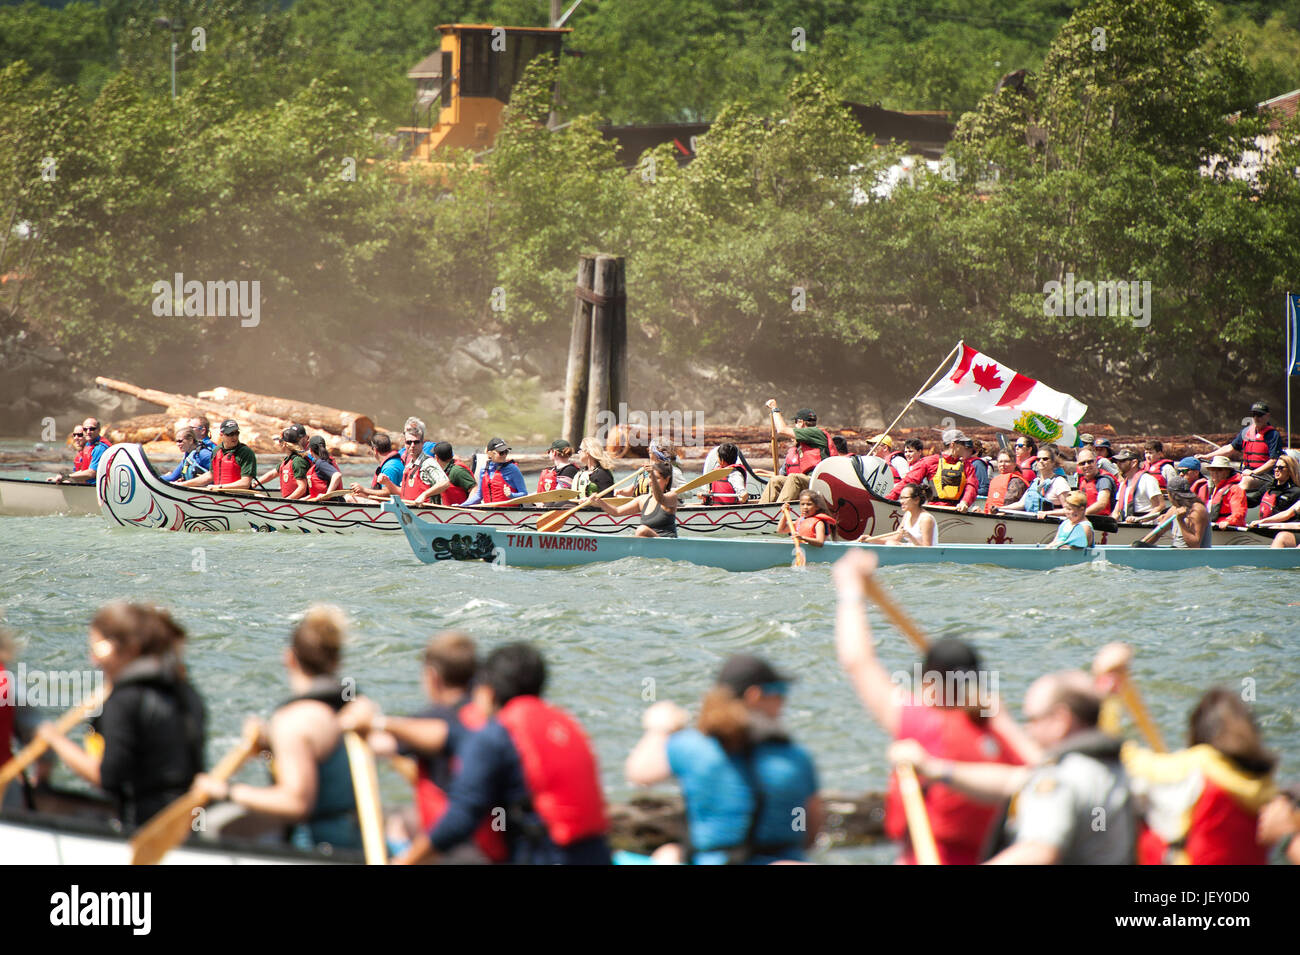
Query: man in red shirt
[[1227, 497]]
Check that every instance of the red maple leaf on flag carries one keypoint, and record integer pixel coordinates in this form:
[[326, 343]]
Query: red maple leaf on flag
[[986, 377]]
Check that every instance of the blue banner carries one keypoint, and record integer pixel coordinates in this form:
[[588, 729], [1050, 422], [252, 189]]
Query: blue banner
[[1292, 334]]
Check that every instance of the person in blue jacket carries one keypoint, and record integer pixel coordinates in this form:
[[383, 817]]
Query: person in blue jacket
[[750, 791], [499, 479], [195, 459]]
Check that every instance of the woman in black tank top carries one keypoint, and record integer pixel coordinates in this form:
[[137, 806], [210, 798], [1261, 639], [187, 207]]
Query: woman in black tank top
[[658, 509]]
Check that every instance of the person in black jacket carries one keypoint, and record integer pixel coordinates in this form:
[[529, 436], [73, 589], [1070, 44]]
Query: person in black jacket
[[153, 722]]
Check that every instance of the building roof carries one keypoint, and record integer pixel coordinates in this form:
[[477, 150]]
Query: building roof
[[428, 68], [1280, 108]]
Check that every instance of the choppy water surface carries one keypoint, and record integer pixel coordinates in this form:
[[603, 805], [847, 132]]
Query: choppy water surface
[[608, 631]]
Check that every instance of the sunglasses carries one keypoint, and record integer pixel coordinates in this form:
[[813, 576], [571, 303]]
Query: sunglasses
[[1044, 460], [78, 434], [1084, 461], [414, 442], [779, 688], [88, 430], [1021, 444]]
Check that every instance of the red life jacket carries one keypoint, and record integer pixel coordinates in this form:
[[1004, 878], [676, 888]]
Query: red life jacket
[[225, 469], [960, 824], [455, 495], [431, 800], [1090, 488], [1254, 448], [289, 483], [804, 458], [1217, 499], [998, 491], [546, 481], [493, 487], [723, 492], [807, 526], [1201, 488], [559, 769], [413, 485], [317, 485], [395, 454], [1156, 470], [81, 462]]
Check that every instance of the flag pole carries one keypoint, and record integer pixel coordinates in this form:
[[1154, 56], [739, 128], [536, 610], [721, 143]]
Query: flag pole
[[1287, 382], [920, 391]]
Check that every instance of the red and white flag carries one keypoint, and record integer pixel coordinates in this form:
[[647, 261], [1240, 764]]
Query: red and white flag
[[980, 387]]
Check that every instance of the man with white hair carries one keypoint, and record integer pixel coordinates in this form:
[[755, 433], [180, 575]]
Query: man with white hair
[[1076, 806], [415, 427]]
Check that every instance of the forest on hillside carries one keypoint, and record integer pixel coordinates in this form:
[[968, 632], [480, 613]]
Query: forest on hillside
[[1097, 169]]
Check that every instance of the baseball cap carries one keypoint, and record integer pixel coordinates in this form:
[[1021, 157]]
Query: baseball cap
[[1086, 439], [884, 439], [1125, 454], [806, 414], [559, 444], [498, 444], [230, 426], [1259, 407], [743, 670], [1101, 443], [954, 436], [1188, 464], [1179, 485]]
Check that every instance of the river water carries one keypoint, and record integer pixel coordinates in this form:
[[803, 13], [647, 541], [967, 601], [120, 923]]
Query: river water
[[617, 635]]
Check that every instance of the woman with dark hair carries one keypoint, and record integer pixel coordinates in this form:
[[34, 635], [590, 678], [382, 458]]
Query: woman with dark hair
[[658, 507], [324, 475], [148, 742], [750, 792], [1203, 802], [916, 525], [313, 778]]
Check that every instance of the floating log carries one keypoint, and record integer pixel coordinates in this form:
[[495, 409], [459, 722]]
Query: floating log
[[348, 424], [257, 430], [142, 429], [646, 822]]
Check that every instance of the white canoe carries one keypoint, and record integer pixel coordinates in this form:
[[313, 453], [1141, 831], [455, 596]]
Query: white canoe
[[36, 497], [132, 495], [433, 543]]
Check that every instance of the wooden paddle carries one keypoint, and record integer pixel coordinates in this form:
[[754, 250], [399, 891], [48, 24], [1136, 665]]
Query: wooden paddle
[[775, 466], [553, 522], [799, 559], [37, 747], [1128, 692], [330, 495], [897, 616], [370, 811], [241, 491], [173, 824], [1149, 540], [918, 822]]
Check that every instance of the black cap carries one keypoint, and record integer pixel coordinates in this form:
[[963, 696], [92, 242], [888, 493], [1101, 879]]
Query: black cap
[[292, 434], [1101, 443], [498, 444], [230, 426], [1124, 454], [1259, 407], [951, 655], [1179, 485], [806, 414], [744, 670], [442, 450]]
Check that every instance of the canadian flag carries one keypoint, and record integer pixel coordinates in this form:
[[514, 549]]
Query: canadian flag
[[982, 388]]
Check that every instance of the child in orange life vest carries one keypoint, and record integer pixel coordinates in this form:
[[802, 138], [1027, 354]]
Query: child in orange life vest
[[814, 525]]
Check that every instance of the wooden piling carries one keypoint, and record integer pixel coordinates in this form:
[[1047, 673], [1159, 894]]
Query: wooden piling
[[602, 325], [575, 379], [618, 339]]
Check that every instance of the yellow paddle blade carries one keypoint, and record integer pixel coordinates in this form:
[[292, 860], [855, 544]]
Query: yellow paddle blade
[[370, 811]]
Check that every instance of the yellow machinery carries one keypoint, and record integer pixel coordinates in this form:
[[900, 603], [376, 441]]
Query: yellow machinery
[[468, 80]]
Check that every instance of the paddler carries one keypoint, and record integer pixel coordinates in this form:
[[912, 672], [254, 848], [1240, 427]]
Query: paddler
[[80, 458], [324, 475], [500, 479], [750, 791], [149, 735], [1005, 487], [917, 526], [421, 473], [1140, 497], [1259, 444], [1202, 804], [598, 468], [1075, 531], [195, 459], [730, 489], [234, 464], [1056, 806], [1228, 503], [951, 715], [1047, 491], [390, 466], [435, 736], [815, 526], [811, 446], [560, 475], [1098, 487], [86, 465], [294, 466], [658, 508], [1191, 518], [460, 477], [955, 479], [531, 768], [313, 780]]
